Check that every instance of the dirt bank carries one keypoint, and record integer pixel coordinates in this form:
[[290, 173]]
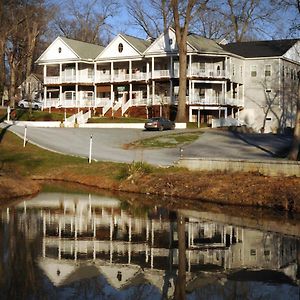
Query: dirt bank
[[242, 189], [13, 186]]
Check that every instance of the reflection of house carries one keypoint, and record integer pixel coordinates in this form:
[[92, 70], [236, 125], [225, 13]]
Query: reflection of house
[[252, 82], [32, 85]]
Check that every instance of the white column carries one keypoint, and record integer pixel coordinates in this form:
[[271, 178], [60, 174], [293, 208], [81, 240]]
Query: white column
[[147, 71], [112, 71], [171, 67], [130, 91], [130, 70], [190, 65], [231, 90], [153, 91], [77, 98], [60, 94], [148, 93], [225, 112], [112, 94], [129, 230], [95, 72], [60, 73], [147, 230], [76, 72], [171, 91], [152, 67]]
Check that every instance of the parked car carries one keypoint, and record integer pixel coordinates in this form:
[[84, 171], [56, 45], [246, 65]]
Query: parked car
[[24, 103], [159, 124]]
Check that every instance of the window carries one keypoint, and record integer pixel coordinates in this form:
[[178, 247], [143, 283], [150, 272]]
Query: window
[[253, 71], [241, 71], [253, 252], [267, 70], [233, 69], [120, 47], [170, 41], [59, 49]]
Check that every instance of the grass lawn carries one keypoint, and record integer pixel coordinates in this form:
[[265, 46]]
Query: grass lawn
[[166, 141]]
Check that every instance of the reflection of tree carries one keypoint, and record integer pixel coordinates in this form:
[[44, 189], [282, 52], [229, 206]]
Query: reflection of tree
[[20, 278], [181, 276]]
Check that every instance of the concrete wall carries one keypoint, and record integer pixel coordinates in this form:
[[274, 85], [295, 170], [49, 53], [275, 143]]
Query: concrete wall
[[269, 168]]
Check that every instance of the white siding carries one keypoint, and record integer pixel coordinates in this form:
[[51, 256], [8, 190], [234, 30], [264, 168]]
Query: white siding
[[52, 52], [112, 50]]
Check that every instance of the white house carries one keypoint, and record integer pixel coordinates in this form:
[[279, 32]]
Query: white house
[[137, 77]]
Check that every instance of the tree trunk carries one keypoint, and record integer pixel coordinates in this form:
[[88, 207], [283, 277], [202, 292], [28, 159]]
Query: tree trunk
[[181, 113], [179, 293], [12, 89], [293, 154]]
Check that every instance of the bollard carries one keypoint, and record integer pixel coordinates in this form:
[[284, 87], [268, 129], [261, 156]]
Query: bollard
[[181, 152], [25, 135], [8, 113], [90, 153]]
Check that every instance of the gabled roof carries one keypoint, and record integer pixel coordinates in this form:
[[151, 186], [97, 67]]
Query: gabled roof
[[203, 44], [261, 48], [82, 49], [139, 44]]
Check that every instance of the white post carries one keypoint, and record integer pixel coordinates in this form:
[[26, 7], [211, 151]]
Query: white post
[[25, 136], [90, 152], [198, 118], [8, 113]]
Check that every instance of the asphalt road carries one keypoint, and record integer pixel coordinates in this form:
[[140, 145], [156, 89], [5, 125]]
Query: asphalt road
[[108, 144]]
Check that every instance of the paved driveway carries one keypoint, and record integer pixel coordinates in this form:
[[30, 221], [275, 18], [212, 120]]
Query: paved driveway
[[108, 144]]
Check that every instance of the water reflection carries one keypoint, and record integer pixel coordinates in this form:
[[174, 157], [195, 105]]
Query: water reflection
[[87, 246]]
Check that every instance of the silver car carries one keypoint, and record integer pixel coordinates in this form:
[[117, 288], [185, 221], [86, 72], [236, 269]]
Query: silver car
[[24, 103]]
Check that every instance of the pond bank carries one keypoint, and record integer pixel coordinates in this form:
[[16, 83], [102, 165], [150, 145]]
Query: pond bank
[[239, 189]]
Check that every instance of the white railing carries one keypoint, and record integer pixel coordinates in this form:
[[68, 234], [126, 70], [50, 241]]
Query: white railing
[[234, 102], [101, 102], [161, 73], [52, 80], [100, 77], [83, 118], [139, 101], [117, 105], [121, 77], [226, 122], [51, 102], [139, 76], [208, 73], [207, 100], [106, 108], [68, 78], [126, 106]]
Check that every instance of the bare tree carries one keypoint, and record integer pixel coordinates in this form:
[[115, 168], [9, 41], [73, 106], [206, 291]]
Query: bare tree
[[87, 21], [183, 13], [153, 17]]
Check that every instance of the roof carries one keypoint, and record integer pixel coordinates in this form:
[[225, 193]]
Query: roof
[[82, 49], [261, 48], [139, 44], [203, 44]]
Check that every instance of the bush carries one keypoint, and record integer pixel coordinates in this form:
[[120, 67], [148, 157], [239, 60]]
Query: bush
[[134, 170]]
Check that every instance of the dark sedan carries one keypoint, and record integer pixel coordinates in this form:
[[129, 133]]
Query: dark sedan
[[159, 124]]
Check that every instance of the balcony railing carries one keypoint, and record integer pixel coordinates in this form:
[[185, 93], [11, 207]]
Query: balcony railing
[[209, 100], [161, 73], [207, 73]]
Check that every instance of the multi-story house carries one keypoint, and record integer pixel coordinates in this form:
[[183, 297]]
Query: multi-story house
[[139, 77]]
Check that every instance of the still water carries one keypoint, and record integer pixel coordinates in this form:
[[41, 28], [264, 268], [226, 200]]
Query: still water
[[88, 246]]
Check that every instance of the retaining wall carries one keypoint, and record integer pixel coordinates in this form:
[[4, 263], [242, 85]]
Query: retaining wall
[[269, 168]]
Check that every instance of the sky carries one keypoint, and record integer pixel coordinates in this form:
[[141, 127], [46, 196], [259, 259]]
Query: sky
[[121, 23]]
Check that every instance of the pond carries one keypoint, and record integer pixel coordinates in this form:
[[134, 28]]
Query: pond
[[64, 245]]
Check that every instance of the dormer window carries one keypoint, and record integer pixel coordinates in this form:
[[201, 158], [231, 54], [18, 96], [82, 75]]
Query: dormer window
[[170, 42], [59, 49], [120, 47]]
